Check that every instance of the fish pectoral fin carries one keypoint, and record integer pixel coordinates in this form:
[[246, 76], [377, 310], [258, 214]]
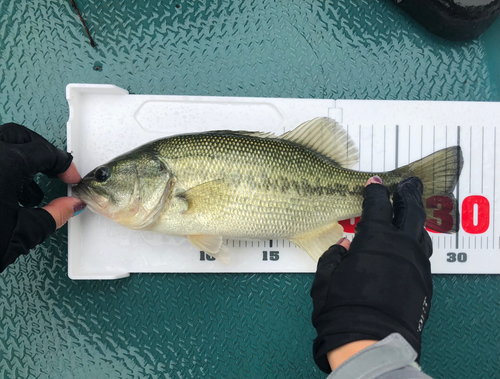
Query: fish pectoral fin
[[202, 196], [212, 245], [315, 243]]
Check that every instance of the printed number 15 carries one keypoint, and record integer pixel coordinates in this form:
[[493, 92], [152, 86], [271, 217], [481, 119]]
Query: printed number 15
[[273, 255]]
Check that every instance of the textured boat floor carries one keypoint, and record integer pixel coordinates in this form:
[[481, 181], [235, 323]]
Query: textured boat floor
[[220, 326]]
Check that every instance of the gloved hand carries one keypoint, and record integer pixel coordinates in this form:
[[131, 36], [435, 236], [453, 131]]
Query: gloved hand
[[23, 154], [383, 284]]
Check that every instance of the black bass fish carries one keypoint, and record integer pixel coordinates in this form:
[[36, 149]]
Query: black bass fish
[[232, 184]]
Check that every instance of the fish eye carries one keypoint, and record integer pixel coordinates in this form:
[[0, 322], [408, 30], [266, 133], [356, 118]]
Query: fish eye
[[101, 174]]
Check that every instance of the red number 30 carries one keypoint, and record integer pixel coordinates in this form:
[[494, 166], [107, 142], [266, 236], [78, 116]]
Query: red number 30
[[475, 215], [478, 206]]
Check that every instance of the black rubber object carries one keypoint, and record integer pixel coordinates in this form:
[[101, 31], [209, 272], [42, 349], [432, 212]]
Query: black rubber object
[[455, 20]]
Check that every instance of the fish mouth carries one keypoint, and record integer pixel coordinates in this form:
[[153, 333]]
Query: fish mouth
[[94, 202], [82, 191]]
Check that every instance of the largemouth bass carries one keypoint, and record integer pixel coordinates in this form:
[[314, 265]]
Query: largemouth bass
[[228, 184]]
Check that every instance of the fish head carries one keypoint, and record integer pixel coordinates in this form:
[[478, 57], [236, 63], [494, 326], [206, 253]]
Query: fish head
[[130, 190]]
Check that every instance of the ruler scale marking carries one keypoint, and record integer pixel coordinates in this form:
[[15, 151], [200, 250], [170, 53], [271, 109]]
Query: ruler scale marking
[[446, 142], [434, 150], [349, 136], [384, 143], [494, 181], [397, 144], [434, 138], [482, 161], [470, 159], [457, 213], [409, 145], [421, 141], [371, 167], [360, 147]]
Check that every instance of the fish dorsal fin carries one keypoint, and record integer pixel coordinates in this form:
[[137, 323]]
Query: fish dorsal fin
[[325, 136], [244, 133]]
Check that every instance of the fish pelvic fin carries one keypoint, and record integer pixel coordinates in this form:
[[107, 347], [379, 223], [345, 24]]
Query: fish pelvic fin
[[315, 243], [212, 245], [439, 173], [326, 137]]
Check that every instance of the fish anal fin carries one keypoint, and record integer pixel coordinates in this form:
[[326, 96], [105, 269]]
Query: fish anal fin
[[315, 243], [325, 136], [212, 245]]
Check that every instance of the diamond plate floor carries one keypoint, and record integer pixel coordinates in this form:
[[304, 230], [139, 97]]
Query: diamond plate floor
[[220, 326]]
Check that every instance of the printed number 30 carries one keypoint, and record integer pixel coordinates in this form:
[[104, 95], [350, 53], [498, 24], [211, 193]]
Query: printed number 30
[[454, 257]]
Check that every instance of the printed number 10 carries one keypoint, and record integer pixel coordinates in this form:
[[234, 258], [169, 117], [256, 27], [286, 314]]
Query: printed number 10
[[204, 256]]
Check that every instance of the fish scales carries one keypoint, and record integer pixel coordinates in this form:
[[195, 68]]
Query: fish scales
[[271, 187]]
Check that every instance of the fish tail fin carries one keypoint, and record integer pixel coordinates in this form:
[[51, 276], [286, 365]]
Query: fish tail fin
[[439, 173]]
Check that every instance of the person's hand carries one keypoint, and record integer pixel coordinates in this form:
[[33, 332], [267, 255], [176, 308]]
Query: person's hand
[[382, 282], [23, 154]]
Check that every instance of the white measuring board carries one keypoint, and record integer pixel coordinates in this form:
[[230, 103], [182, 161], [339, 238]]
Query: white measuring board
[[106, 121]]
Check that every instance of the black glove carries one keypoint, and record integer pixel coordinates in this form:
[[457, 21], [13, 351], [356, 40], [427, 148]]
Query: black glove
[[23, 154], [383, 284]]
